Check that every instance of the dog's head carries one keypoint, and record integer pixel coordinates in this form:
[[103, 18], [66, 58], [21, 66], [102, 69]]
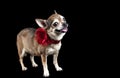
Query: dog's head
[[56, 26]]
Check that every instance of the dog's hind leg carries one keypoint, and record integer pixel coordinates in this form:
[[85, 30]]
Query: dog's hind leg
[[21, 52], [21, 60], [33, 61]]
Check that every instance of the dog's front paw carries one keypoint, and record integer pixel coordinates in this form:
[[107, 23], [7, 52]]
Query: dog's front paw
[[24, 68], [34, 65], [59, 69], [46, 74]]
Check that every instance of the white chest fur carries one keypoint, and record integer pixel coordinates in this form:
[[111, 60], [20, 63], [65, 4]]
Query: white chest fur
[[53, 48]]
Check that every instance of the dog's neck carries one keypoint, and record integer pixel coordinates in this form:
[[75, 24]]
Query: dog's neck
[[42, 37]]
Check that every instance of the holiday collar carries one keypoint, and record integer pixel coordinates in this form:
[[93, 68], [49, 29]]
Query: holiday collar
[[42, 37]]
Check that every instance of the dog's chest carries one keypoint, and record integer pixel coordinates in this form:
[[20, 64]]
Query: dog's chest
[[53, 48]]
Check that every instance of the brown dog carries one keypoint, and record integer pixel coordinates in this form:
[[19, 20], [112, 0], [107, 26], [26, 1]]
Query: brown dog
[[43, 41]]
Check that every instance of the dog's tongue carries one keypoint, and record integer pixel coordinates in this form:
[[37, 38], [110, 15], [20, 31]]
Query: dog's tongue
[[64, 29]]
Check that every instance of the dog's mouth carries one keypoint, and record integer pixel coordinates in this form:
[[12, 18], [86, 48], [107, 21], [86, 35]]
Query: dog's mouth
[[63, 30]]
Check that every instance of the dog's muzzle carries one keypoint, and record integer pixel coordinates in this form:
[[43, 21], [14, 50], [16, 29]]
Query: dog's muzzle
[[64, 29]]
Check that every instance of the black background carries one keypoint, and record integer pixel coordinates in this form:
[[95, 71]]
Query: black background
[[83, 47]]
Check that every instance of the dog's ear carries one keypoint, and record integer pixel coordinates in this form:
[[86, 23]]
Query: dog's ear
[[42, 23], [55, 12]]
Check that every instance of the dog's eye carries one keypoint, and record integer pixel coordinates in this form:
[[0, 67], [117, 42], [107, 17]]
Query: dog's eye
[[64, 19], [55, 24]]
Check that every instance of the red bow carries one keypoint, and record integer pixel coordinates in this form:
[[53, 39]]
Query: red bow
[[42, 37]]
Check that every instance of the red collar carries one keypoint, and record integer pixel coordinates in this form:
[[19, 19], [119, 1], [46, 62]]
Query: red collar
[[42, 37]]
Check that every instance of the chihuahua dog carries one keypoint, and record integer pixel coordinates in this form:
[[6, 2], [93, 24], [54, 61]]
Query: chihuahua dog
[[43, 41]]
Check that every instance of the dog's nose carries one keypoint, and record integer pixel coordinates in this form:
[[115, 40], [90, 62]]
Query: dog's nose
[[65, 24]]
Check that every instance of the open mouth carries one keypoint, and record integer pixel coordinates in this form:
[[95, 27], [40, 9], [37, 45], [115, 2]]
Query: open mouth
[[64, 30]]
